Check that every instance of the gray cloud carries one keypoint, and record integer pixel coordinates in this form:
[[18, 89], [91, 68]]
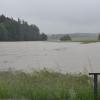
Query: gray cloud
[[56, 16]]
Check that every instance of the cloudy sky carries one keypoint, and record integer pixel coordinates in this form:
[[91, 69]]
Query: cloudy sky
[[56, 16]]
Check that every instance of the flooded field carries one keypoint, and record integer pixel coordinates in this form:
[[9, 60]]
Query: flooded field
[[57, 56]]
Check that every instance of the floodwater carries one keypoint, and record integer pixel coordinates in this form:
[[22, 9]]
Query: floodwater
[[58, 56]]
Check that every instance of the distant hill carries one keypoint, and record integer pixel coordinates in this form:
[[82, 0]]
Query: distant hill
[[19, 30], [84, 36], [75, 36]]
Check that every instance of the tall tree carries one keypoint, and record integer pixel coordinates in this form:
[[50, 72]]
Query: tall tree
[[12, 30], [3, 33], [99, 37]]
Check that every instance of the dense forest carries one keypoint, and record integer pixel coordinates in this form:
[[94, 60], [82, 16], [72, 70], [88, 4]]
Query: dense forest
[[12, 30]]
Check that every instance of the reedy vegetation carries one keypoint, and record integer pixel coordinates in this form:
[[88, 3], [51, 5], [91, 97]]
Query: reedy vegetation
[[45, 85]]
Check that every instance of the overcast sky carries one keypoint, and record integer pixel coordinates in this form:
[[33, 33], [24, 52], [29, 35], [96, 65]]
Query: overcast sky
[[56, 16]]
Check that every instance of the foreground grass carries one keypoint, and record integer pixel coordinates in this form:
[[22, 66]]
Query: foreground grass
[[44, 85]]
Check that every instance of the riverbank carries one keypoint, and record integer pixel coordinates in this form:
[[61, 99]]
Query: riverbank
[[44, 85]]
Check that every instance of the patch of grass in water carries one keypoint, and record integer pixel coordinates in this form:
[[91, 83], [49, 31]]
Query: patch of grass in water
[[87, 42], [44, 85]]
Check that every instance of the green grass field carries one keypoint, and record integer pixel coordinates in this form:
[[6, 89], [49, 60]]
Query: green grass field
[[45, 85]]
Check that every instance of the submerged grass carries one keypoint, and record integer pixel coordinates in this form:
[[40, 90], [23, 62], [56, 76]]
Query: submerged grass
[[84, 41], [87, 42], [44, 85]]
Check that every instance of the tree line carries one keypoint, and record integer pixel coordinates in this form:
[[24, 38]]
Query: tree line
[[19, 30], [66, 38]]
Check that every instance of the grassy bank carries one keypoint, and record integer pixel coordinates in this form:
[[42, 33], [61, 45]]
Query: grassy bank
[[44, 85]]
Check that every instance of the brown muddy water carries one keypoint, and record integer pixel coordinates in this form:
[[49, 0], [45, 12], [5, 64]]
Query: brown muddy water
[[58, 56]]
